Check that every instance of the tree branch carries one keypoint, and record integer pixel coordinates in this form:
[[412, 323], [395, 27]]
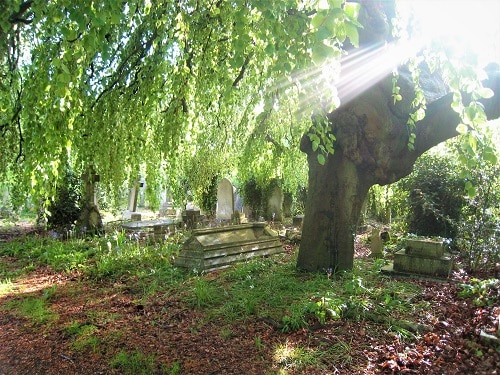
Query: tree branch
[[21, 140], [17, 17], [242, 71]]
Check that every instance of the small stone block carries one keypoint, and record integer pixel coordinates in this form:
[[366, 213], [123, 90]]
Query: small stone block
[[430, 266], [424, 248], [135, 217], [297, 221]]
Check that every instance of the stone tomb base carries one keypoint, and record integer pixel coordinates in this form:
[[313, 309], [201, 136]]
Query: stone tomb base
[[421, 257], [215, 248]]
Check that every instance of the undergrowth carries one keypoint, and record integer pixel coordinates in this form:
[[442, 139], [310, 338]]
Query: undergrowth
[[270, 288]]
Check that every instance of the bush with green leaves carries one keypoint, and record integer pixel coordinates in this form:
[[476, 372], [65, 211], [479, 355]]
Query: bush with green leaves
[[65, 209], [432, 197], [478, 238], [209, 197], [253, 196], [483, 292]]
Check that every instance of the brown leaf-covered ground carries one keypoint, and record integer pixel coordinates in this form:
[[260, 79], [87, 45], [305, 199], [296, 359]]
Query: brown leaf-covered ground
[[184, 341]]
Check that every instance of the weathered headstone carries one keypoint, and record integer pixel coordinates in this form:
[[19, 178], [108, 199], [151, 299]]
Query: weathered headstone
[[297, 221], [141, 194], [131, 212], [90, 218], [191, 217], [287, 205], [225, 200], [167, 207], [238, 201], [376, 245], [275, 205]]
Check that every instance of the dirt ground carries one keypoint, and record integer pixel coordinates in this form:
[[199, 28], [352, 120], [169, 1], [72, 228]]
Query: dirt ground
[[184, 341]]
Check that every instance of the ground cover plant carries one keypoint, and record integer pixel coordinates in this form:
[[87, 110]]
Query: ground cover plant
[[115, 304]]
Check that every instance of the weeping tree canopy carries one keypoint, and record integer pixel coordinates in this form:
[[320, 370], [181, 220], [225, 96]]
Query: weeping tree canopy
[[186, 91], [143, 86]]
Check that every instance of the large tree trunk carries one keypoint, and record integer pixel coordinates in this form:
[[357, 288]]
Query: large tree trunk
[[371, 148], [337, 191]]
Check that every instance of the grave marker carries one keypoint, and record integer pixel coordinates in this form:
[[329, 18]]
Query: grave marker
[[130, 213], [275, 205], [225, 200]]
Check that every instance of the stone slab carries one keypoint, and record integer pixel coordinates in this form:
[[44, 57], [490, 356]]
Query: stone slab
[[424, 248], [210, 249], [431, 266], [389, 270], [154, 229]]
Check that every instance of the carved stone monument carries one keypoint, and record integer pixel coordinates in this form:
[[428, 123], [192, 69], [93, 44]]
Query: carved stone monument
[[225, 200], [275, 205], [131, 212], [90, 220], [422, 257], [376, 245], [215, 248]]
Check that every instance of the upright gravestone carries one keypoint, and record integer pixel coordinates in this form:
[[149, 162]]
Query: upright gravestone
[[131, 213], [275, 205], [141, 194], [238, 201], [376, 245], [90, 218], [287, 205], [225, 200]]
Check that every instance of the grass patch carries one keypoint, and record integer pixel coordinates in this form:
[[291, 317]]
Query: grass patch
[[134, 363], [291, 357], [269, 288], [34, 309], [6, 286], [263, 287], [84, 337]]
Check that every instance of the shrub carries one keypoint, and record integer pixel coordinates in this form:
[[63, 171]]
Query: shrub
[[64, 210], [253, 196], [435, 197], [478, 237], [209, 197]]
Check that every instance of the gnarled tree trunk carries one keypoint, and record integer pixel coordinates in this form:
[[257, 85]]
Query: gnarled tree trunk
[[371, 148]]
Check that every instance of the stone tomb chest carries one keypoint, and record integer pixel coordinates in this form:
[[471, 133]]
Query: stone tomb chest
[[215, 248], [424, 257]]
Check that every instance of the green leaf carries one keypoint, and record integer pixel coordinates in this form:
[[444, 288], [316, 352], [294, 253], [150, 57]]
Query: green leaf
[[323, 33], [473, 142], [462, 128], [321, 159], [352, 33], [352, 9], [269, 49], [485, 93], [470, 189], [321, 52], [237, 61], [314, 137], [336, 3], [318, 19], [490, 157]]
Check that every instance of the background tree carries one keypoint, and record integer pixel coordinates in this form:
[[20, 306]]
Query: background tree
[[142, 85]]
